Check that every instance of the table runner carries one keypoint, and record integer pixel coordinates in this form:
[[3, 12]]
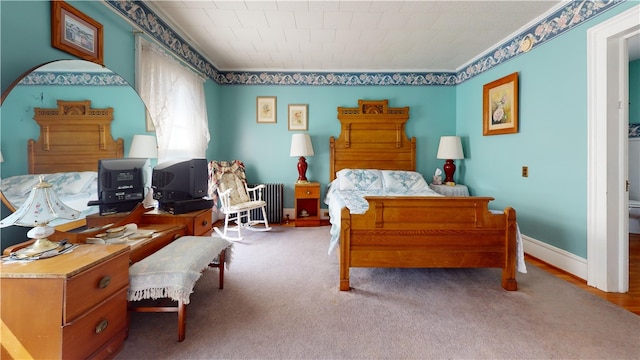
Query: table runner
[[172, 271]]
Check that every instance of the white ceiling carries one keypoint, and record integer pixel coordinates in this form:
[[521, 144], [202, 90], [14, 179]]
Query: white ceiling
[[357, 35]]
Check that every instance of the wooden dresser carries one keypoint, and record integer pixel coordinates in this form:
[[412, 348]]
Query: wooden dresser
[[72, 306]]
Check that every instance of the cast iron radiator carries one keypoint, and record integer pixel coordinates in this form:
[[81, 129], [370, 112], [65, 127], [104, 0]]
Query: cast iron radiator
[[273, 195]]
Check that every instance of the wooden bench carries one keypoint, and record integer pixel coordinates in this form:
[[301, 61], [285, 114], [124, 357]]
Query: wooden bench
[[172, 272]]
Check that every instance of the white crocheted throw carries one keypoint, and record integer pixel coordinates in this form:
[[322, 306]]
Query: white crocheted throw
[[172, 271]]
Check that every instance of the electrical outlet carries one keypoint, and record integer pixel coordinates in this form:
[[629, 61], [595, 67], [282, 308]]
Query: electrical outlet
[[290, 212], [525, 171]]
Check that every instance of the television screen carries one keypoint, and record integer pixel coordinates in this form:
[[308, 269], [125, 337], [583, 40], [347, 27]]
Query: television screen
[[180, 180], [122, 180]]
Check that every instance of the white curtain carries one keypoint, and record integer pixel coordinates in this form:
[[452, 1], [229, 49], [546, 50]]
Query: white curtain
[[175, 99]]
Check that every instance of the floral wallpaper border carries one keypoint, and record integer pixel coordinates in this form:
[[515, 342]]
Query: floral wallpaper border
[[564, 19], [73, 79], [634, 130]]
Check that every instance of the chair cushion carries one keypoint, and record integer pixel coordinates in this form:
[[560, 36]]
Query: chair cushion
[[238, 191], [248, 205]]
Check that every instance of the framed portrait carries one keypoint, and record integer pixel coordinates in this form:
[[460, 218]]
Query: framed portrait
[[500, 106], [76, 33], [266, 109], [298, 117]]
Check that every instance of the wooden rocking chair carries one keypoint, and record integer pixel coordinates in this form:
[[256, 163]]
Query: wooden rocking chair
[[237, 199]]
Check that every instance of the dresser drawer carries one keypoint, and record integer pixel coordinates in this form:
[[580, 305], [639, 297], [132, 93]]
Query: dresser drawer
[[202, 224], [112, 348], [307, 192], [88, 333], [90, 287]]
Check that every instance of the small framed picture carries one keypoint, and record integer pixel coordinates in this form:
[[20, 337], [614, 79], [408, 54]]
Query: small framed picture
[[298, 117], [76, 33], [266, 109], [500, 106]]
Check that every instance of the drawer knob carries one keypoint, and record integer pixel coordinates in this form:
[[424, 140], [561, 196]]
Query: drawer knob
[[205, 222], [102, 326], [104, 282], [308, 192]]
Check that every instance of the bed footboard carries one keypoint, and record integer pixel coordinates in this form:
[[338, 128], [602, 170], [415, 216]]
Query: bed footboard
[[429, 232]]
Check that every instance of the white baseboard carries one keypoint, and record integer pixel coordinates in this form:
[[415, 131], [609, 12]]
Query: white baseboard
[[557, 257]]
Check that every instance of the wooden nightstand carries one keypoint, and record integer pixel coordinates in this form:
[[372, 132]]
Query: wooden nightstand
[[307, 198]]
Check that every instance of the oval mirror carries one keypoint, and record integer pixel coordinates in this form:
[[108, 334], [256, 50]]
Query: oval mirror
[[69, 80], [42, 87]]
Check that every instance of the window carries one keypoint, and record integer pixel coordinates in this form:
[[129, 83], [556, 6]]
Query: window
[[175, 99]]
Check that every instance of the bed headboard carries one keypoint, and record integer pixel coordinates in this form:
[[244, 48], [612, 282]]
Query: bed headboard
[[372, 137], [73, 137]]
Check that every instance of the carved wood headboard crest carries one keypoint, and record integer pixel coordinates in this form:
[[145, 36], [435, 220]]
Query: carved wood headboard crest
[[73, 137], [372, 136]]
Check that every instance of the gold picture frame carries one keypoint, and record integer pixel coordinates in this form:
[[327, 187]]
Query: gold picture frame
[[266, 110], [500, 106], [298, 117], [76, 33]]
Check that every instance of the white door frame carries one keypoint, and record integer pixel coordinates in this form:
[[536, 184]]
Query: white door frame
[[607, 138]]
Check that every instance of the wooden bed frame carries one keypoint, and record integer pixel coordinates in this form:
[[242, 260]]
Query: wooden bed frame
[[412, 232], [73, 137]]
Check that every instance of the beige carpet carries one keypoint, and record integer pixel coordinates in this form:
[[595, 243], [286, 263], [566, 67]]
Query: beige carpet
[[281, 301]]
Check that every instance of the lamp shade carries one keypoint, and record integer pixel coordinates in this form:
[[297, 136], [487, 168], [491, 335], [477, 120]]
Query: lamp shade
[[42, 206], [301, 145], [450, 148], [143, 146]]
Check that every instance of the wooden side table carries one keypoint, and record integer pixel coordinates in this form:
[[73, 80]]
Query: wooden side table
[[447, 190], [307, 204]]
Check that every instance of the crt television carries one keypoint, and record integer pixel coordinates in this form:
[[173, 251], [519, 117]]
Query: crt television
[[180, 180], [121, 183]]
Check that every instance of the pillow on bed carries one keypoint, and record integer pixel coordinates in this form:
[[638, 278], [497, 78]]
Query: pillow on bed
[[19, 185], [401, 181], [359, 179], [70, 183], [84, 182]]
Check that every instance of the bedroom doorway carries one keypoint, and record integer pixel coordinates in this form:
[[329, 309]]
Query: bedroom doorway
[[607, 167]]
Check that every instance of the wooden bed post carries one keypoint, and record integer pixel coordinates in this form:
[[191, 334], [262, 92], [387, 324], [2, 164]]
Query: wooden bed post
[[345, 249], [332, 154], [509, 271]]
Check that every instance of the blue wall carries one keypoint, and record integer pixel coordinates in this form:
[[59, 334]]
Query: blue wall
[[551, 202], [634, 92], [264, 148]]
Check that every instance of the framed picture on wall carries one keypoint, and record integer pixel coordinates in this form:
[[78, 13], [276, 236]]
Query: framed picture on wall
[[76, 33], [266, 109], [500, 106], [298, 117]]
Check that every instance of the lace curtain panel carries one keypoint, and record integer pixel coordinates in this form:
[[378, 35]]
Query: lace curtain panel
[[174, 96]]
